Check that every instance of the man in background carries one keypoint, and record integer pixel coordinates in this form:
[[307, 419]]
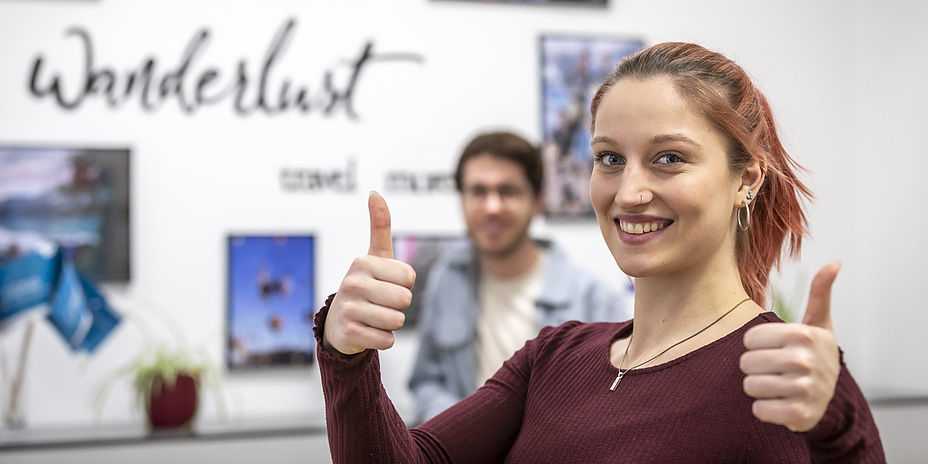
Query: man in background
[[484, 299]]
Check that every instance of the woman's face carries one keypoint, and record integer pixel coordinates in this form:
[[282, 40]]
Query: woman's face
[[661, 187]]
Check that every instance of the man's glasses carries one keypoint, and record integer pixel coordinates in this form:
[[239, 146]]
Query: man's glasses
[[505, 192]]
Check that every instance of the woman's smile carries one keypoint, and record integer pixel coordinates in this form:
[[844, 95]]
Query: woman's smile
[[640, 229]]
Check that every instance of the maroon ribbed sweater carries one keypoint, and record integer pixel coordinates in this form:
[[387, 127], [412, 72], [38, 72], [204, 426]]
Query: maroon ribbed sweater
[[550, 403]]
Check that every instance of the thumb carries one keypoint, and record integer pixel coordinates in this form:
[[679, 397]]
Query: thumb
[[381, 237], [818, 311]]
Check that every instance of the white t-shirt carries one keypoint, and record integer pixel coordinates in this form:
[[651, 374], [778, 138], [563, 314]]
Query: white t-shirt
[[508, 318]]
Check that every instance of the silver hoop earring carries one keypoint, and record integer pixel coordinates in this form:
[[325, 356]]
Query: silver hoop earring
[[747, 213], [747, 221]]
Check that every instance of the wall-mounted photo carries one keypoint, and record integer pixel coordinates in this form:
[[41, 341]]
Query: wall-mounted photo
[[271, 301], [572, 68], [421, 252], [73, 197]]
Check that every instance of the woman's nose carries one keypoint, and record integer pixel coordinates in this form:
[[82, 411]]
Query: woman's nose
[[634, 189]]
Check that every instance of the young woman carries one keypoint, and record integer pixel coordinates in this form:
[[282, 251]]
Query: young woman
[[695, 198]]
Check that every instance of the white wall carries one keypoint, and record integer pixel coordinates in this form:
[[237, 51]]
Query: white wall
[[843, 77], [890, 95]]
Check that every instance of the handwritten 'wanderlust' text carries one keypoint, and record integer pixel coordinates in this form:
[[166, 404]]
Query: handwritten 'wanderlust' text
[[192, 90]]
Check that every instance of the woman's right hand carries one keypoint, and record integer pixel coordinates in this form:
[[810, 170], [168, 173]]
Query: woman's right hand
[[370, 301]]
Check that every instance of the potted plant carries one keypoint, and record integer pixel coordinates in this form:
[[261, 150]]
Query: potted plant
[[167, 384], [167, 380]]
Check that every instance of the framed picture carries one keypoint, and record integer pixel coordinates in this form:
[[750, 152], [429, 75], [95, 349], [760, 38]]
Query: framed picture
[[77, 198], [271, 301], [421, 252], [572, 68]]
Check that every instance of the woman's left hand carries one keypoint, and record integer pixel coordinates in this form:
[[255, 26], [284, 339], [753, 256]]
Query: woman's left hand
[[792, 369]]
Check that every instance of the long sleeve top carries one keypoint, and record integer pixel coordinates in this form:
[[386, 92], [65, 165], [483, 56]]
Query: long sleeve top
[[551, 403]]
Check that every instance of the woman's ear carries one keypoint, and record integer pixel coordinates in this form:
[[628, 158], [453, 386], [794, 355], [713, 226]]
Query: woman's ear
[[752, 178]]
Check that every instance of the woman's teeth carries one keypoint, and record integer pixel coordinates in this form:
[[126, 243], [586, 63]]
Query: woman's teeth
[[641, 227]]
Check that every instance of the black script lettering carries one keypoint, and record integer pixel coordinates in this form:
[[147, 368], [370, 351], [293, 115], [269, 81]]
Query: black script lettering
[[319, 180], [419, 182], [205, 79], [194, 87], [356, 67], [104, 81], [173, 81], [55, 87]]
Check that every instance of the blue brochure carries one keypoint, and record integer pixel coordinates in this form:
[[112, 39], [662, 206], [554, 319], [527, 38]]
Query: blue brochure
[[104, 319], [76, 308], [68, 311], [26, 282]]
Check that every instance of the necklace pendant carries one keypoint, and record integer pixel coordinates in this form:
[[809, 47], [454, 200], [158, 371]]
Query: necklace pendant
[[618, 379]]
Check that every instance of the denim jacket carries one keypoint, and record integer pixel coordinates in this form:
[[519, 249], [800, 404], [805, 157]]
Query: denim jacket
[[445, 369]]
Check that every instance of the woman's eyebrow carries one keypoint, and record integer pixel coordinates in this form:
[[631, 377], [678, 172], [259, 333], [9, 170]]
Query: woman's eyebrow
[[656, 140], [665, 138]]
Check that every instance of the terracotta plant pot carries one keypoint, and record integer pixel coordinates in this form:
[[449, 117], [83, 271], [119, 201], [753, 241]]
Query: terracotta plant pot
[[173, 408]]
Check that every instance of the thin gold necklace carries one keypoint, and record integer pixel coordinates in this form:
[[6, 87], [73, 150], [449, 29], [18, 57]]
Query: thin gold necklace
[[622, 373]]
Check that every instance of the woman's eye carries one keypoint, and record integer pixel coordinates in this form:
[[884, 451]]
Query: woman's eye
[[670, 158], [609, 159]]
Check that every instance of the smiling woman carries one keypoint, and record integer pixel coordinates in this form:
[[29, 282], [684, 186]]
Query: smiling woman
[[659, 162], [720, 91], [684, 146]]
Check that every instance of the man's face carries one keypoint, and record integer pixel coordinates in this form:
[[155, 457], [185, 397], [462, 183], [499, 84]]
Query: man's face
[[498, 204]]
